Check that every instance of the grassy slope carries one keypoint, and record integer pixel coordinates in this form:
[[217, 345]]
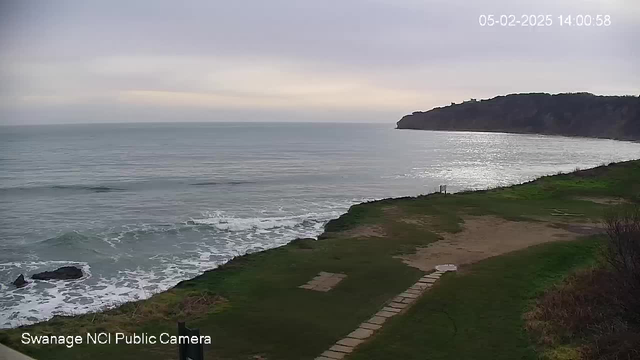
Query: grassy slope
[[477, 314], [264, 313]]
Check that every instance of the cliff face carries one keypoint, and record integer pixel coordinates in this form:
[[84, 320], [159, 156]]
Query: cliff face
[[579, 114]]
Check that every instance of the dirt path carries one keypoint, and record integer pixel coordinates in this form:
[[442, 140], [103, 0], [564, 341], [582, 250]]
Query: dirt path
[[486, 236]]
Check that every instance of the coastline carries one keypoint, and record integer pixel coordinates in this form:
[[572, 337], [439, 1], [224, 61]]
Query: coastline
[[365, 243], [565, 114], [499, 131], [232, 212]]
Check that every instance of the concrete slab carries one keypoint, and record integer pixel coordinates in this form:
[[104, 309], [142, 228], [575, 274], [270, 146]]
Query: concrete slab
[[409, 295], [386, 314], [7, 353], [378, 320], [369, 326], [324, 281], [391, 309], [360, 333], [397, 305], [350, 342], [333, 355], [341, 348]]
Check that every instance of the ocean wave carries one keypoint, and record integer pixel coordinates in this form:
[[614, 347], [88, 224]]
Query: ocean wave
[[77, 188], [104, 188], [202, 244], [228, 182], [41, 300], [69, 239], [231, 223], [98, 189]]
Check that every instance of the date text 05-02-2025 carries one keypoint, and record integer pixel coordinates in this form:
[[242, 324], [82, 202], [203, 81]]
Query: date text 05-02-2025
[[581, 20]]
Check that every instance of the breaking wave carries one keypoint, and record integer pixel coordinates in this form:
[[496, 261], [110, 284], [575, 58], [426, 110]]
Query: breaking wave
[[230, 223], [181, 251]]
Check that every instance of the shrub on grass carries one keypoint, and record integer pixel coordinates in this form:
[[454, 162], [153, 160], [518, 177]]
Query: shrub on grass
[[584, 318], [595, 313], [623, 255]]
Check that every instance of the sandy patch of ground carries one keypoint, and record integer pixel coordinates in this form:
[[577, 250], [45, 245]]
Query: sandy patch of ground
[[603, 200], [364, 231], [418, 220], [391, 210], [487, 236], [324, 281]]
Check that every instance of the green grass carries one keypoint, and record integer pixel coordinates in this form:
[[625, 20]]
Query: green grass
[[477, 314], [360, 214], [254, 306], [264, 311]]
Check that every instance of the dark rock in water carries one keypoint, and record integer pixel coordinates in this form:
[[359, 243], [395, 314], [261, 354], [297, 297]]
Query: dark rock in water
[[63, 273], [20, 282]]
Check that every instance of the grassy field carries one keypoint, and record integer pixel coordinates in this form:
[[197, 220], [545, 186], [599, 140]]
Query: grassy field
[[253, 308], [477, 314]]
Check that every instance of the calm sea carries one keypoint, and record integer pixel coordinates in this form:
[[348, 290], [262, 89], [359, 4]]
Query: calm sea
[[142, 206]]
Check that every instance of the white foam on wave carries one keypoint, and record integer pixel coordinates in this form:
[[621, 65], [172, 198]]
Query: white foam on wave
[[41, 300], [233, 236], [220, 221], [38, 300]]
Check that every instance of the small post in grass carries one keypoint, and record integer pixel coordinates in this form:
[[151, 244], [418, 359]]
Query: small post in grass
[[443, 189], [189, 351]]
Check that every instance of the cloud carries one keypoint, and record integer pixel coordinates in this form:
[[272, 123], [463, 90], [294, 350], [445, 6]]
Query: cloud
[[291, 57]]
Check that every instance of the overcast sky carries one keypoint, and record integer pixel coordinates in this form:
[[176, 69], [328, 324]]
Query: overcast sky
[[83, 61]]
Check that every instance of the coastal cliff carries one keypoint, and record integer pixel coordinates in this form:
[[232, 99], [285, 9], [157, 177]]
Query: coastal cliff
[[571, 114]]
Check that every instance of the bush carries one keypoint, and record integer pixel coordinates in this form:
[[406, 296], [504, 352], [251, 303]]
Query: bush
[[584, 318], [623, 254], [594, 314]]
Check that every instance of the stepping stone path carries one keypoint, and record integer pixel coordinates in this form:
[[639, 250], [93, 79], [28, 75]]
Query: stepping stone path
[[324, 281], [394, 307]]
